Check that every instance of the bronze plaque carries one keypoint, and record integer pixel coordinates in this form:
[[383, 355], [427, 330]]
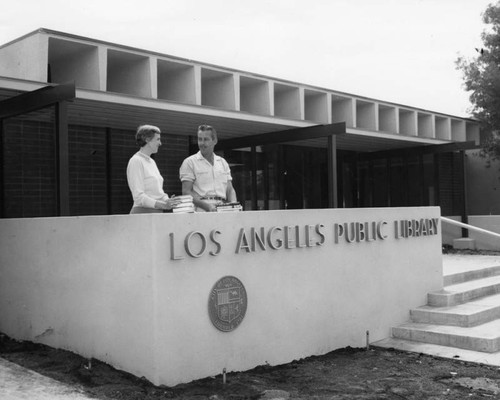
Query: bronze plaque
[[227, 303]]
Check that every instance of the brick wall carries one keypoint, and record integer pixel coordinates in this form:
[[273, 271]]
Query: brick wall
[[98, 160], [122, 143], [87, 171], [97, 167], [169, 158], [29, 167]]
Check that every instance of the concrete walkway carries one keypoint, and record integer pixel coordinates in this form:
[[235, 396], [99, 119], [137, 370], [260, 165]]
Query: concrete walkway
[[18, 383], [455, 263]]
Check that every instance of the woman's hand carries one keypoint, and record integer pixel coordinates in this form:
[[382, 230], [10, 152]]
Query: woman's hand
[[172, 202], [161, 205]]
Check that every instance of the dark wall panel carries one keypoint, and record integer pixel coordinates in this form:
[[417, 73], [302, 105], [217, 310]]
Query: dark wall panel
[[29, 167], [87, 171]]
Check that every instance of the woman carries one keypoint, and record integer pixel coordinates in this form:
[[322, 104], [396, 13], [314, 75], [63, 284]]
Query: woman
[[143, 176]]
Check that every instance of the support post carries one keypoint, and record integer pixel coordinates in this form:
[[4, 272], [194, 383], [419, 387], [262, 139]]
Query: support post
[[332, 172], [465, 217], [62, 157], [253, 156], [109, 187], [2, 161]]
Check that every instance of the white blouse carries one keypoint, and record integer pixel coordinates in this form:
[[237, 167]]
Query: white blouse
[[145, 181]]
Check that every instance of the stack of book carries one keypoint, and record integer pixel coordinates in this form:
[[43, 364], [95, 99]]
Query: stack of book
[[186, 204], [229, 207]]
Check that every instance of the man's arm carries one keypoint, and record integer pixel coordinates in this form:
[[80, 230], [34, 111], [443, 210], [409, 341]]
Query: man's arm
[[187, 188], [230, 192]]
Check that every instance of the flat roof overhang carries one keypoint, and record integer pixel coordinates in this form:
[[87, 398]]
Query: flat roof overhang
[[121, 111]]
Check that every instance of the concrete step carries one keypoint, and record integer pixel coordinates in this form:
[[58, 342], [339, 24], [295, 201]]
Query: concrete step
[[465, 276], [473, 313], [462, 320], [484, 337], [440, 351], [463, 292]]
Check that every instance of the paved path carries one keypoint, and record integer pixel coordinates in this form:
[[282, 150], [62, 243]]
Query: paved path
[[18, 383], [454, 263]]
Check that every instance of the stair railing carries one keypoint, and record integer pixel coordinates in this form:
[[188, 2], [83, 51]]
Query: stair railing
[[470, 227]]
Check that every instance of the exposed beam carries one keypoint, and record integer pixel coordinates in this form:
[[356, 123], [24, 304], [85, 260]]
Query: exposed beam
[[417, 150], [289, 135], [35, 100]]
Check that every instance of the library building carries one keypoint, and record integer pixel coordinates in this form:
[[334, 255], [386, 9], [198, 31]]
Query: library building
[[70, 106], [343, 199]]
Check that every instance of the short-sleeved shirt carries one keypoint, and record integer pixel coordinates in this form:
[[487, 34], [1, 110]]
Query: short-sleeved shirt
[[208, 179], [145, 181]]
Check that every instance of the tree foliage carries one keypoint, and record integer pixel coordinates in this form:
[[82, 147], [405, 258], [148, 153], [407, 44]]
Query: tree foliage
[[482, 78]]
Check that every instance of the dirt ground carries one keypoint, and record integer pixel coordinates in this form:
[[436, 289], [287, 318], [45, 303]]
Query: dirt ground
[[348, 373], [373, 373]]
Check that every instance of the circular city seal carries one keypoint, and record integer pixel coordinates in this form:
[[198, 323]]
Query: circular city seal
[[227, 303]]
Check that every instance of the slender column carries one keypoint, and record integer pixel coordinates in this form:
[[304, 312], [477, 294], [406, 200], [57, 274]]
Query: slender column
[[302, 109], [109, 191], [371, 185], [406, 173], [2, 184], [421, 173], [153, 76], [282, 178], [465, 217], [340, 180], [332, 172], [62, 157], [388, 167], [254, 177], [237, 92], [266, 180], [102, 54], [197, 84], [436, 180]]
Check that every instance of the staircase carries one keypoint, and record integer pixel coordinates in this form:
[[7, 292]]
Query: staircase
[[461, 321]]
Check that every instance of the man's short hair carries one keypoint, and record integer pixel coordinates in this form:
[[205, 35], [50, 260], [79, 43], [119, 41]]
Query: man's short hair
[[208, 128]]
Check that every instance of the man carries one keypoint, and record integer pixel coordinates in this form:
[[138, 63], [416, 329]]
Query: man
[[205, 175]]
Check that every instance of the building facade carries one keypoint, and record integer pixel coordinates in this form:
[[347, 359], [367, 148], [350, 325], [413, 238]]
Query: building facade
[[69, 107]]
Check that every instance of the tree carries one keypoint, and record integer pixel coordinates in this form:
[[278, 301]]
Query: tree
[[482, 78]]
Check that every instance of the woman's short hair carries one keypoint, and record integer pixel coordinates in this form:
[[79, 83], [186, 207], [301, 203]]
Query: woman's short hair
[[145, 132]]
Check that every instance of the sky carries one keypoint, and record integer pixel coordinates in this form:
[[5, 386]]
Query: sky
[[400, 51]]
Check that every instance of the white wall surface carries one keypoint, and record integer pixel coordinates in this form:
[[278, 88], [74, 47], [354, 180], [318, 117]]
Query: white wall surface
[[450, 232], [124, 290], [482, 241], [490, 223], [25, 59]]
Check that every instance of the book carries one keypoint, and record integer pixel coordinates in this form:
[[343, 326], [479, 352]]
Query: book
[[184, 198], [186, 209], [186, 204], [228, 207]]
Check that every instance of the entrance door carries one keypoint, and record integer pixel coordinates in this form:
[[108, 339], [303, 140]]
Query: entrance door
[[280, 177]]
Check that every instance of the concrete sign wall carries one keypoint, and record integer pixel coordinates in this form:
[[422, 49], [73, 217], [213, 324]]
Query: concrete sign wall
[[177, 297]]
